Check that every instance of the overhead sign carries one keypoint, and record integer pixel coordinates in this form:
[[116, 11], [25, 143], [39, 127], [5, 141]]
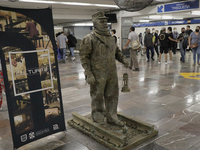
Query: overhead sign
[[194, 4]]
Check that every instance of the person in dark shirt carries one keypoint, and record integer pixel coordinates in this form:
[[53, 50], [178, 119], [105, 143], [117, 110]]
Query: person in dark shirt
[[155, 41], [171, 43], [188, 31], [72, 41], [148, 43], [182, 37], [164, 44], [113, 34], [175, 34]]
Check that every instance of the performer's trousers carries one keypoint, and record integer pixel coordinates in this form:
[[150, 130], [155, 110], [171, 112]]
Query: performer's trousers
[[104, 94]]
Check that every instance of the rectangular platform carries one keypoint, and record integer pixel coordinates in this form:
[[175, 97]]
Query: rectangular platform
[[112, 136]]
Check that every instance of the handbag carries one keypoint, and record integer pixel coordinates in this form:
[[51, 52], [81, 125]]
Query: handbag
[[135, 44], [195, 45]]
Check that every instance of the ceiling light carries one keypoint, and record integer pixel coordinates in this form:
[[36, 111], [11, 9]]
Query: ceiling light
[[83, 24], [58, 27], [155, 17], [167, 17], [144, 20], [195, 13], [178, 18], [69, 3]]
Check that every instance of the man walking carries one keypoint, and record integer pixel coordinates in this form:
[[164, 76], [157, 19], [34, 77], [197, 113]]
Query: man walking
[[133, 36], [183, 38], [61, 42], [72, 44], [155, 41], [148, 43], [175, 34]]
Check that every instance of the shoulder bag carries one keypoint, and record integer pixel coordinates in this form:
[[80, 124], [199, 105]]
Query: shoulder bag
[[135, 44], [195, 45]]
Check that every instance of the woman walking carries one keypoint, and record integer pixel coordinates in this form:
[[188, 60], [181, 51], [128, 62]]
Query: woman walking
[[194, 44]]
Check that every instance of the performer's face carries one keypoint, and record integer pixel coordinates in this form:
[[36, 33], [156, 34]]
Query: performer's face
[[101, 25]]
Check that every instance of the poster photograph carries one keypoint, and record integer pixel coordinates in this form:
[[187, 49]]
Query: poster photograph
[[19, 72]]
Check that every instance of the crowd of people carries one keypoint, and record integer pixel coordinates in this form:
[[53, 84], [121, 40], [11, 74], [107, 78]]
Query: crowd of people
[[166, 41]]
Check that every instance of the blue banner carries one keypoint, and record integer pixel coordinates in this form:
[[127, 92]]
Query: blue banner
[[178, 6], [165, 23], [195, 21]]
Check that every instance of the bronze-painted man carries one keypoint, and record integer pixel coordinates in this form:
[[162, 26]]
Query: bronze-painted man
[[98, 53]]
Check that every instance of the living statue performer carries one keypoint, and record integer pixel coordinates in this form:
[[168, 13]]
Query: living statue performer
[[97, 54]]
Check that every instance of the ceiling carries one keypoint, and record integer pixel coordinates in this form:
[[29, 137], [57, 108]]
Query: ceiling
[[65, 13]]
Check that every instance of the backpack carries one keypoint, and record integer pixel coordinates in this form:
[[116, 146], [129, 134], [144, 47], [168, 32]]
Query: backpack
[[185, 42], [74, 41]]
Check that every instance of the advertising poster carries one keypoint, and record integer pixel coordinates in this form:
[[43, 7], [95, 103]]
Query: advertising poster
[[28, 55]]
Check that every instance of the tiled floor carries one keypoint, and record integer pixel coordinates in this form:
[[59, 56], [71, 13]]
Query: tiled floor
[[159, 95]]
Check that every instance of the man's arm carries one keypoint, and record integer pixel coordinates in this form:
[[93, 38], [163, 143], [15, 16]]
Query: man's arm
[[145, 41], [129, 40], [171, 39], [189, 40], [85, 54], [121, 58], [66, 39], [156, 40]]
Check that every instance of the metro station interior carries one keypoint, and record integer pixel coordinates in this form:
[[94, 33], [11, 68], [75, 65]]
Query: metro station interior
[[165, 95]]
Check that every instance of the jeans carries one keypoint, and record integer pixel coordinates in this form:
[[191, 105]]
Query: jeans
[[72, 51], [63, 52], [156, 49], [152, 52], [182, 53], [196, 51]]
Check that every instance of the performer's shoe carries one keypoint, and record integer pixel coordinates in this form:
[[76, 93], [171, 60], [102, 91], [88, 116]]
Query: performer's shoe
[[98, 117], [117, 123]]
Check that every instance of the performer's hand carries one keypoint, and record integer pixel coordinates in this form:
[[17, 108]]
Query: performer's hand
[[126, 65], [124, 48], [90, 79]]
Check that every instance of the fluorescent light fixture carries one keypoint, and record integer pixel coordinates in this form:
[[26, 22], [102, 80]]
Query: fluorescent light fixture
[[144, 20], [90, 24], [167, 17], [195, 13], [69, 3], [178, 18], [58, 27], [155, 17], [83, 24]]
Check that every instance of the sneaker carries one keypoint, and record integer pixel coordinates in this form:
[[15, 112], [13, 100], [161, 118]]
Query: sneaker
[[152, 59], [130, 68], [73, 58], [136, 69], [148, 60], [170, 62], [166, 63], [0, 108], [159, 62], [66, 57], [194, 64]]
